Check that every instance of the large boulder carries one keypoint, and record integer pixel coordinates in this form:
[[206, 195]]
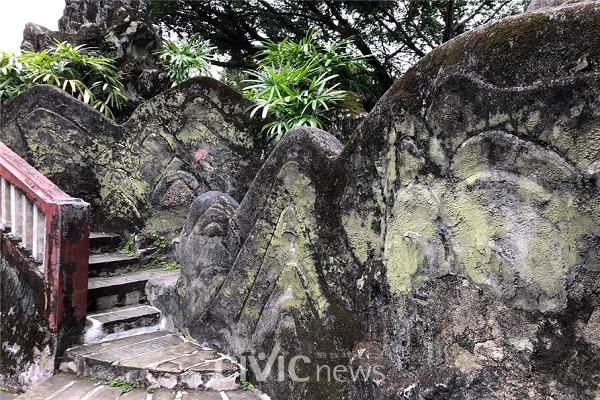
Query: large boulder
[[450, 251], [145, 173]]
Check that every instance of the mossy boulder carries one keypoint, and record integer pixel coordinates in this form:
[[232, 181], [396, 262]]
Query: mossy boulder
[[453, 243], [142, 174]]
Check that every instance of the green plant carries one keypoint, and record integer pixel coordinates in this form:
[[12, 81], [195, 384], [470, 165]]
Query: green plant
[[187, 58], [90, 78], [246, 385], [126, 386], [299, 83], [172, 266], [128, 247], [4, 389], [160, 242]]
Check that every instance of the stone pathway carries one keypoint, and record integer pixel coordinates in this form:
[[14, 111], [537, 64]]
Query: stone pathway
[[158, 359], [69, 387]]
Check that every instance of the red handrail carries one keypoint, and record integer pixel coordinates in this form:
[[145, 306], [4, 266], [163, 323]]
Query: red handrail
[[66, 245]]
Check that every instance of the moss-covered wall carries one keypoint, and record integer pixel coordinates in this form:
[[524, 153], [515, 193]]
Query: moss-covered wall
[[145, 172]]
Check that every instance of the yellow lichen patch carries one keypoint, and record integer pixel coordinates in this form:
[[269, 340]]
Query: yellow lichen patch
[[410, 228], [359, 233], [409, 166], [287, 272], [474, 223], [554, 249], [437, 153]]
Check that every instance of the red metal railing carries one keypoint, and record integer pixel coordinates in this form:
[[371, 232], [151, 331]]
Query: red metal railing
[[49, 232]]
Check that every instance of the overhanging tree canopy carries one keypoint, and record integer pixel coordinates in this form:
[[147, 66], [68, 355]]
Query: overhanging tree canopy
[[393, 34]]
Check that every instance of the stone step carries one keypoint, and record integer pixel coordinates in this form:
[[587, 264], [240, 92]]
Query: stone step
[[64, 386], [158, 359], [119, 322], [106, 264], [101, 242], [122, 290]]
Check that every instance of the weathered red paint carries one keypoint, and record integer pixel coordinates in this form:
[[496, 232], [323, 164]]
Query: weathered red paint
[[66, 253]]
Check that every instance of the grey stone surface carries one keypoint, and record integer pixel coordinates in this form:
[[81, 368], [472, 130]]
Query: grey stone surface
[[452, 248], [28, 347], [101, 242], [70, 387], [123, 289], [202, 396], [117, 354], [139, 394], [158, 360], [139, 175], [161, 356], [51, 385]]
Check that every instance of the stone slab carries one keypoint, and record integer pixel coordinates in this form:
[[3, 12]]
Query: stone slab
[[201, 395], [163, 394], [106, 393], [103, 242], [136, 394], [111, 261], [81, 389], [124, 314], [140, 275], [88, 349], [150, 359], [185, 361], [55, 384], [136, 349], [222, 366]]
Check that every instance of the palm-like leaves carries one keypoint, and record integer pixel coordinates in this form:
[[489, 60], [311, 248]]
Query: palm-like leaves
[[67, 67], [188, 58], [298, 83]]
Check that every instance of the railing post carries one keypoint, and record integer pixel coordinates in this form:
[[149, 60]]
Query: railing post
[[66, 272]]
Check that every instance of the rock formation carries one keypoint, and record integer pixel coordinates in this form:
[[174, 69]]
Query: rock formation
[[452, 248], [120, 28], [144, 173]]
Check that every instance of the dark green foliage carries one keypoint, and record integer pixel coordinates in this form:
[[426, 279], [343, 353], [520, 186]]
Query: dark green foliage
[[392, 34]]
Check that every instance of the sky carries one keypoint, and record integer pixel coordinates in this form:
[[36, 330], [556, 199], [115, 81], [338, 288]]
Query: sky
[[16, 13]]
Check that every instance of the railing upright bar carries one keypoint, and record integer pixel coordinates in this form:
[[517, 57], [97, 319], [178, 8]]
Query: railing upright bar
[[27, 221], [4, 204], [15, 212], [39, 235]]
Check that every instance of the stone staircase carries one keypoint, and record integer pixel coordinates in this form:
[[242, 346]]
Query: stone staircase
[[125, 342]]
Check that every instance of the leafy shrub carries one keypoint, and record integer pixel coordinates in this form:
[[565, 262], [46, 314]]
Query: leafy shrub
[[68, 67], [188, 58], [300, 83]]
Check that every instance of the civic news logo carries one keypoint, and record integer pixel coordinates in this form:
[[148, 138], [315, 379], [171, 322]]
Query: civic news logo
[[301, 368]]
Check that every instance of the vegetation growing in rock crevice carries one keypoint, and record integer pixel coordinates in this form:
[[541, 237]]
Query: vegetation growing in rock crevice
[[75, 69]]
